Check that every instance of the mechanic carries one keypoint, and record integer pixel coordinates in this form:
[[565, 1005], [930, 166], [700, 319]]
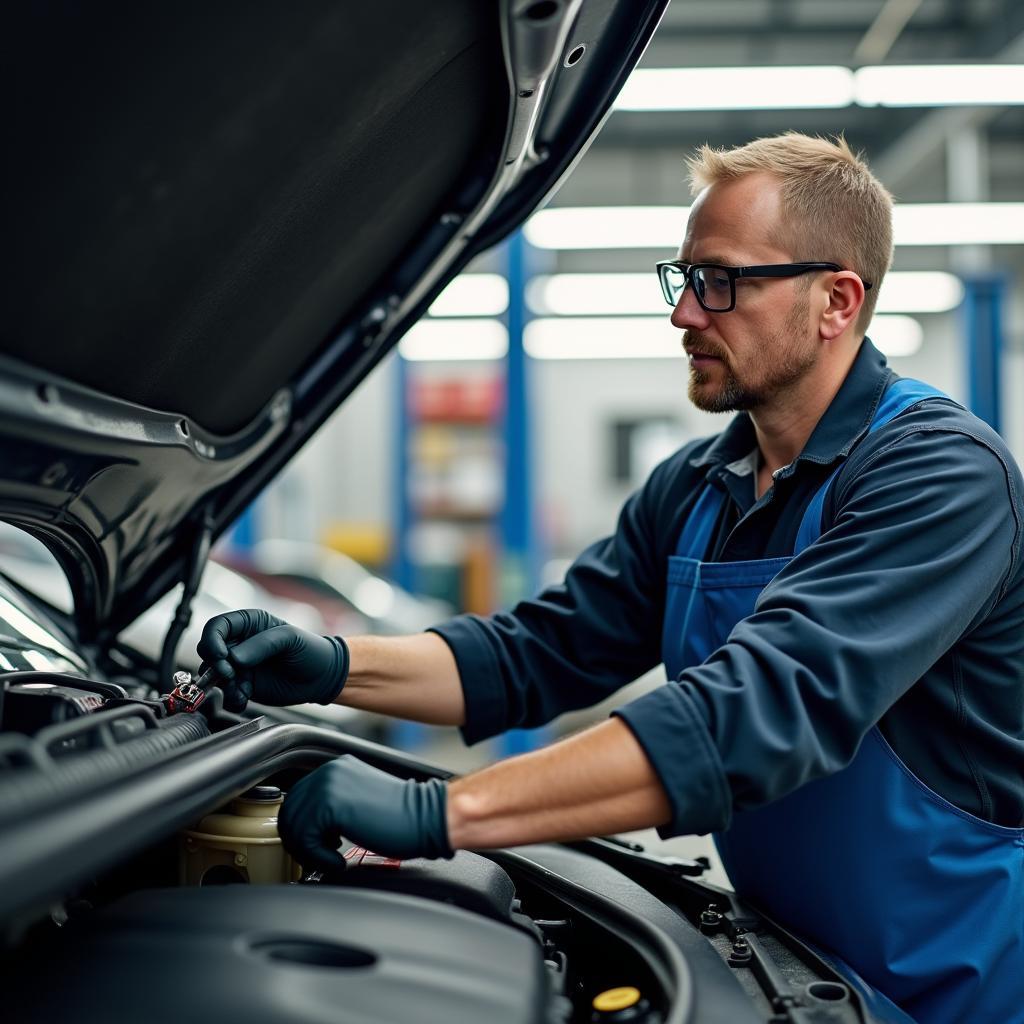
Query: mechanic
[[834, 585]]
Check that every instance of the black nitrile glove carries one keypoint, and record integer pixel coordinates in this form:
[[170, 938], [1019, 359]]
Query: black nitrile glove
[[261, 657], [393, 817]]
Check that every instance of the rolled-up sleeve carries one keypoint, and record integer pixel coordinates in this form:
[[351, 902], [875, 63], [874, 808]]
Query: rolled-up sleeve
[[923, 540], [576, 642]]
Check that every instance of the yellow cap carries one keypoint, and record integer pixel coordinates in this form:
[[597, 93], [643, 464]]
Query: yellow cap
[[616, 999]]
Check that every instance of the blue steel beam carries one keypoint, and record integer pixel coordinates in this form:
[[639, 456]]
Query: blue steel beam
[[401, 563], [520, 554], [982, 317], [519, 558]]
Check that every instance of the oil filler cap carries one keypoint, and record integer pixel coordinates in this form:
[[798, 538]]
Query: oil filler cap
[[618, 1005]]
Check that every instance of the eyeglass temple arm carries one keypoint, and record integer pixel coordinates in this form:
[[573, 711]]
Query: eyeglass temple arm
[[770, 270]]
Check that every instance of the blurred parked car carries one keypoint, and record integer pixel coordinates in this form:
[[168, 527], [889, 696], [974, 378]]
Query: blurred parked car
[[338, 584]]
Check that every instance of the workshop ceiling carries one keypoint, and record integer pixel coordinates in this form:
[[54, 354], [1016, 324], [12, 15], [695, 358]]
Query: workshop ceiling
[[639, 157], [759, 33]]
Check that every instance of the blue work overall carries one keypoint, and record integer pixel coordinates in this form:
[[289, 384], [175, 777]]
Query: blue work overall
[[897, 886]]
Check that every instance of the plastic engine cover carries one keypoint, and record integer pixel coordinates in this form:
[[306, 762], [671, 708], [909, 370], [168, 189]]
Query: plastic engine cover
[[467, 880], [278, 954]]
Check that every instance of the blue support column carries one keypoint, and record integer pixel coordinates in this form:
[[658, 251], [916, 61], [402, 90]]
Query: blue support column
[[519, 562], [982, 313], [403, 734], [401, 564], [244, 532]]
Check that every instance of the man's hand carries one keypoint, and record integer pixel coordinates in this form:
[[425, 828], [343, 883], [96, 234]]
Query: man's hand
[[261, 657], [345, 797]]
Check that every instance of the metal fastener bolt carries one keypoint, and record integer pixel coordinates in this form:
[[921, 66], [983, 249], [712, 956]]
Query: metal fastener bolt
[[741, 953], [710, 919]]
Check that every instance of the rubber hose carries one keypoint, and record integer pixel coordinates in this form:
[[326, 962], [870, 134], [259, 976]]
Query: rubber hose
[[28, 789]]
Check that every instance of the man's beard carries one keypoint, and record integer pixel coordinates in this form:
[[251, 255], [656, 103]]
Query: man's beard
[[788, 361]]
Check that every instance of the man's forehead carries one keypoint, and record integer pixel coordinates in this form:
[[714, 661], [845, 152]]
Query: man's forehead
[[733, 222]]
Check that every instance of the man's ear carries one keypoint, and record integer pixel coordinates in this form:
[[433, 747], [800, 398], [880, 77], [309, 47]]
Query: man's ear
[[845, 298]]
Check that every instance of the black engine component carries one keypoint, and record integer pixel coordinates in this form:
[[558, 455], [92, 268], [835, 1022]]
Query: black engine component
[[467, 880], [29, 707], [273, 954]]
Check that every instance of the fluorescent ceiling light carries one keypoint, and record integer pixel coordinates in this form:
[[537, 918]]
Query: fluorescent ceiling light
[[907, 291], [654, 338], [663, 227], [608, 227], [919, 291], [958, 223], [595, 295], [807, 87], [896, 335], [445, 340], [473, 295], [650, 337], [940, 85], [764, 88], [603, 338]]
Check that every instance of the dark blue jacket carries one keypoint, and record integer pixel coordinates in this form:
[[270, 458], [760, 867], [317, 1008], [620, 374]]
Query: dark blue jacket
[[907, 613]]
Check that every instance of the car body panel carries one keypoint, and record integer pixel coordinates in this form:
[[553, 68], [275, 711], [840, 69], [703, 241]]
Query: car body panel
[[224, 220]]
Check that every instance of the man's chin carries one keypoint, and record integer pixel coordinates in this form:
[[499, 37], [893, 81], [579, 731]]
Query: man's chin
[[706, 395], [711, 396]]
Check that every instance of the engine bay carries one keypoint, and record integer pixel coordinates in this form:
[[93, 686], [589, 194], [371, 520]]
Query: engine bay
[[142, 868]]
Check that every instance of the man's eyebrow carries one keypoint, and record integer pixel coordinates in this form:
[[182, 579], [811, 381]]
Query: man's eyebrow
[[712, 259], [724, 260]]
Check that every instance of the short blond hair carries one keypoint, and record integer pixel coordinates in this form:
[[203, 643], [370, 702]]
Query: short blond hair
[[834, 209]]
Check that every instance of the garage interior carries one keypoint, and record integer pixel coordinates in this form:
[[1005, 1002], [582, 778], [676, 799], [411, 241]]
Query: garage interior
[[504, 433]]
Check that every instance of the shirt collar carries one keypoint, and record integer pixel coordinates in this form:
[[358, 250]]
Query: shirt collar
[[842, 425]]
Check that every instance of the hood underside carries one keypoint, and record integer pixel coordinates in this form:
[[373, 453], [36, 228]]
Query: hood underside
[[220, 218]]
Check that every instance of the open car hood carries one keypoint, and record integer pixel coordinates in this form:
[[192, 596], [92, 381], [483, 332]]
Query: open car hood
[[218, 220]]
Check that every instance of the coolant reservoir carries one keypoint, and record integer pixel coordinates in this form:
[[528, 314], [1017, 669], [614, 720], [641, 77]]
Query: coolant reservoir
[[239, 843]]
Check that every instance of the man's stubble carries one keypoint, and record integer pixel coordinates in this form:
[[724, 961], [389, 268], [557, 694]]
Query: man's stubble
[[789, 356]]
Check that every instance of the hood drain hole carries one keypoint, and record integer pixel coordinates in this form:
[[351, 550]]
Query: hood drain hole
[[828, 991], [313, 954]]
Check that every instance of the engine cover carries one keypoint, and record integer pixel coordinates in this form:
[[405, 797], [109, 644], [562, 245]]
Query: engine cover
[[467, 880], [274, 954]]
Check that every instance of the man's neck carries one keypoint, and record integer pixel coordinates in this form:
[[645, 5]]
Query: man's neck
[[784, 426]]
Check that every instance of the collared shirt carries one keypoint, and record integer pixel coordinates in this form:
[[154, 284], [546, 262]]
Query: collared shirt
[[908, 613]]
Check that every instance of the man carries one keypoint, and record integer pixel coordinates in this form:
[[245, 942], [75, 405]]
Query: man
[[834, 584]]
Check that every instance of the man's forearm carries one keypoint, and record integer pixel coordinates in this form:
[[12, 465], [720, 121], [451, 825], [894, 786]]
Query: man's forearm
[[595, 783], [406, 676]]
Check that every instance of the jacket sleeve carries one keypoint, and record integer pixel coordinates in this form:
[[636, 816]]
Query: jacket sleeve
[[923, 541], [578, 641]]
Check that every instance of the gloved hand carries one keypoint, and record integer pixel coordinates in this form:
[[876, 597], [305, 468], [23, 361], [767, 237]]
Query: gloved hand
[[393, 817], [261, 657]]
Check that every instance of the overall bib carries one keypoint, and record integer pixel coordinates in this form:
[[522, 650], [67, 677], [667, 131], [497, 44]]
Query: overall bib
[[897, 886]]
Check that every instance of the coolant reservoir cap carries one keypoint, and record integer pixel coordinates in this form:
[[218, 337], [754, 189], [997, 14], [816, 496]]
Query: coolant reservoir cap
[[614, 999], [262, 794]]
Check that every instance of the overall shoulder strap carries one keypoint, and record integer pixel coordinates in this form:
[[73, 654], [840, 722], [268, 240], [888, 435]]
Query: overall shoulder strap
[[696, 532], [902, 394]]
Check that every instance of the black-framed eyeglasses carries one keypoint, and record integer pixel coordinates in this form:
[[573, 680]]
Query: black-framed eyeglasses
[[715, 284]]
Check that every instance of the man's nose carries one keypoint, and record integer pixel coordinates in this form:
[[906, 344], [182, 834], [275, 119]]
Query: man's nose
[[689, 313]]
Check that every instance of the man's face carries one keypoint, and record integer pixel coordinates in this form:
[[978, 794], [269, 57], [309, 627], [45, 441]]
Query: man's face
[[748, 357]]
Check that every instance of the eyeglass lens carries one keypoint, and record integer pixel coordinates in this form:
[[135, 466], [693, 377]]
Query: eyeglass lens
[[712, 285]]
